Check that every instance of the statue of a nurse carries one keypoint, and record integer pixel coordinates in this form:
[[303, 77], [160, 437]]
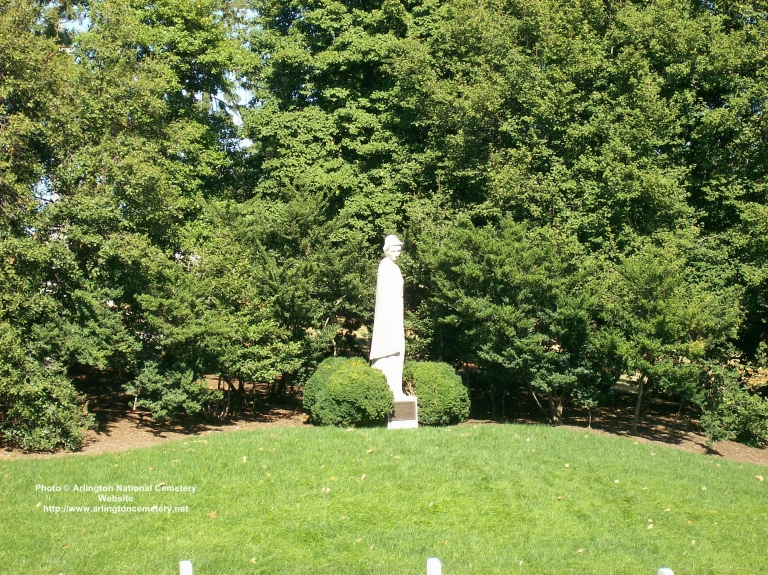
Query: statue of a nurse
[[388, 342]]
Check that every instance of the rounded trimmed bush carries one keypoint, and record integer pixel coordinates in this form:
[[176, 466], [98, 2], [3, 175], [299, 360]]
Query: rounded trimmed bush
[[347, 392], [319, 380], [442, 397]]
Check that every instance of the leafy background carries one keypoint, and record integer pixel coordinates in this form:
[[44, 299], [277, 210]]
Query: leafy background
[[193, 187]]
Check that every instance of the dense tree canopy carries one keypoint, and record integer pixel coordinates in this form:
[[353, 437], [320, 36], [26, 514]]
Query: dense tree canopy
[[193, 187]]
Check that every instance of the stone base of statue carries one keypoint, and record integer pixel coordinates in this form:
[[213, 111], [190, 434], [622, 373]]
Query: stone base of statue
[[406, 414]]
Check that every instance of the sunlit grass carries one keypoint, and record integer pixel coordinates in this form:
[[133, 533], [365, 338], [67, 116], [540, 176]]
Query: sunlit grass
[[485, 499]]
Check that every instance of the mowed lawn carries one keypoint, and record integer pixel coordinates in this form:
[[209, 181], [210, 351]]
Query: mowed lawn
[[483, 499]]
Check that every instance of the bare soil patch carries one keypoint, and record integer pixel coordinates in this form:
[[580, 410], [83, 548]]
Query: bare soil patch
[[129, 431], [119, 427]]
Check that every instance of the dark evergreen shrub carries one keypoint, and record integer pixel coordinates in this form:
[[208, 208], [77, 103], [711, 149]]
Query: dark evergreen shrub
[[43, 414], [40, 410], [170, 392], [347, 392], [737, 414], [442, 397]]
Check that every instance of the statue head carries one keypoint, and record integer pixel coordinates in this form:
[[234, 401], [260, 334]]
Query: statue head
[[392, 247]]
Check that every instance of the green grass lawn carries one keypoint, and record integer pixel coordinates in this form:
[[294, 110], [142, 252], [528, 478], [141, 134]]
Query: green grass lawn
[[483, 499]]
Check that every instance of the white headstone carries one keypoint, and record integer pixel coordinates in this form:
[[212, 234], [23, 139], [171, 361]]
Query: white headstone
[[185, 567], [665, 571], [434, 567]]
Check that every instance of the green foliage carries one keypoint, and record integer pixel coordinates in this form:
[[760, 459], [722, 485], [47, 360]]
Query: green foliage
[[733, 411], [169, 393], [35, 110], [668, 325], [346, 392], [580, 187], [43, 412], [319, 380], [40, 410], [443, 398], [511, 298]]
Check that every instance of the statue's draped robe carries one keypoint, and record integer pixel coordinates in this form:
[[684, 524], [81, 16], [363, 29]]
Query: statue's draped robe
[[388, 341], [388, 333]]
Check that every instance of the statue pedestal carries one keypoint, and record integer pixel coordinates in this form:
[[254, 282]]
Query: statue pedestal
[[406, 415]]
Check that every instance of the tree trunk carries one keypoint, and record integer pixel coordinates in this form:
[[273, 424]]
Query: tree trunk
[[677, 416], [492, 393], [536, 397], [637, 404], [555, 408], [504, 404]]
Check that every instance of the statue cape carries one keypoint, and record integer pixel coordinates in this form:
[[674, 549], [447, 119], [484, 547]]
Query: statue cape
[[388, 333]]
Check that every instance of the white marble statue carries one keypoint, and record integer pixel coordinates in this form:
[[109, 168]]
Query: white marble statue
[[388, 342]]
